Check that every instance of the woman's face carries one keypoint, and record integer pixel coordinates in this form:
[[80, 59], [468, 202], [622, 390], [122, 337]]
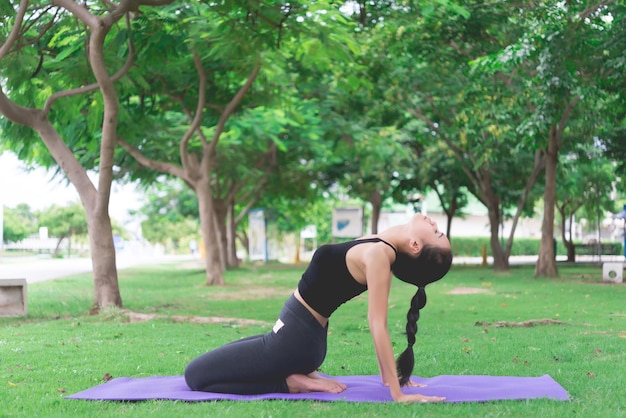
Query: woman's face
[[426, 232]]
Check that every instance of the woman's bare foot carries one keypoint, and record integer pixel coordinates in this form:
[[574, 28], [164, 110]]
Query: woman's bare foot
[[316, 375], [300, 383]]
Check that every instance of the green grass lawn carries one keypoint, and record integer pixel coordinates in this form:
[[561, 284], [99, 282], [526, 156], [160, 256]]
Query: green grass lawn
[[60, 350]]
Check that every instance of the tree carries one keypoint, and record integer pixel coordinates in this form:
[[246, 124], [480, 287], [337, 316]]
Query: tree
[[437, 169], [373, 166], [63, 223], [560, 61], [613, 130], [61, 61], [373, 153], [19, 223], [585, 181], [474, 114], [186, 109], [171, 214]]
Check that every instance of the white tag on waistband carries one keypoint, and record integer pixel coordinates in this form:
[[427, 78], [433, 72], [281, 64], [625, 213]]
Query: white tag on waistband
[[278, 325]]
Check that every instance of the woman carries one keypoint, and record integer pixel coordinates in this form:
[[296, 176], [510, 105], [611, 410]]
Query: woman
[[285, 359]]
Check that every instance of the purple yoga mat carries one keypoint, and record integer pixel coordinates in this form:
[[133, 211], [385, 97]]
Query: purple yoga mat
[[360, 389]]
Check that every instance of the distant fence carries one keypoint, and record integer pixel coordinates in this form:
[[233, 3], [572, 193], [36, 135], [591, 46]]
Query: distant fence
[[46, 245]]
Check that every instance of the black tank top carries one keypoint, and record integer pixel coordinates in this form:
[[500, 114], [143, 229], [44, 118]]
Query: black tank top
[[327, 283]]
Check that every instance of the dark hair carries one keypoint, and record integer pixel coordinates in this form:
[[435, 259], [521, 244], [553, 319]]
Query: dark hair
[[431, 265]]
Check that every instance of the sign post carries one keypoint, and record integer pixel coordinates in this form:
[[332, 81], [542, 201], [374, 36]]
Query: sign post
[[257, 235], [347, 222]]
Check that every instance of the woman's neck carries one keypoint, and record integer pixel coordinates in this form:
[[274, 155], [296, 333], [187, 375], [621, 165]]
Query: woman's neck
[[398, 236]]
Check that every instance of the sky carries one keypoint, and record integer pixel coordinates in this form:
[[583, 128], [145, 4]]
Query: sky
[[39, 190]]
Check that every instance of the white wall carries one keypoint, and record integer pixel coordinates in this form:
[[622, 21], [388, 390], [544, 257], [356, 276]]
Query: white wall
[[469, 226]]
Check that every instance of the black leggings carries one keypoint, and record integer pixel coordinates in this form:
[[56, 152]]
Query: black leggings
[[260, 364]]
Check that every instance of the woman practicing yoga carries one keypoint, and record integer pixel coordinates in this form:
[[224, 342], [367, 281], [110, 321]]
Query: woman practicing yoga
[[286, 358]]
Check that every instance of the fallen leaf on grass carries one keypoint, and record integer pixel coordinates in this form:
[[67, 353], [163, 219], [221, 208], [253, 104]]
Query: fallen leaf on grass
[[107, 377]]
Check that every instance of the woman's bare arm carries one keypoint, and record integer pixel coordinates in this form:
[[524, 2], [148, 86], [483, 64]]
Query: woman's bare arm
[[378, 276]]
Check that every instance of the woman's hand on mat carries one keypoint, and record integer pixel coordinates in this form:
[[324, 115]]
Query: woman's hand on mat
[[416, 397]]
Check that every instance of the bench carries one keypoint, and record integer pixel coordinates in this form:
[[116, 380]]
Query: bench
[[13, 301], [612, 248]]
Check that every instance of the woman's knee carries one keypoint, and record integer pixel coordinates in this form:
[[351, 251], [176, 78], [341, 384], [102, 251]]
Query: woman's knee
[[190, 378], [195, 375]]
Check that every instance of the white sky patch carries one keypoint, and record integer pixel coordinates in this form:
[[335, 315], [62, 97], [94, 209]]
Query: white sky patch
[[39, 190]]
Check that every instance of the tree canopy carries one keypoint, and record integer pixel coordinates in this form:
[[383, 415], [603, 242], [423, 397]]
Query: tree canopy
[[279, 104]]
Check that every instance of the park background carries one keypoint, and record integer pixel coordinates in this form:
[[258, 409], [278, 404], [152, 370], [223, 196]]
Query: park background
[[301, 109], [212, 110]]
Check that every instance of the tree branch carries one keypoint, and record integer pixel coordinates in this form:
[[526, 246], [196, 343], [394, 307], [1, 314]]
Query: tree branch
[[565, 116], [95, 86], [83, 15], [458, 153], [195, 124], [593, 8], [79, 11], [252, 178], [159, 166], [44, 29], [18, 114], [253, 199], [461, 51], [231, 107], [15, 31], [539, 165]]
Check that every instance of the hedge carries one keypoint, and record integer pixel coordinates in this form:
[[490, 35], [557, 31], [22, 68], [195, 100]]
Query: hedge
[[473, 247]]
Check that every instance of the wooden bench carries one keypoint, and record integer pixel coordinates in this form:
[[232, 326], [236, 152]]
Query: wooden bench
[[13, 297]]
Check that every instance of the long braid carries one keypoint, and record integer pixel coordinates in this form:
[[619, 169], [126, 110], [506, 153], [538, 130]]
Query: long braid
[[431, 265], [406, 360]]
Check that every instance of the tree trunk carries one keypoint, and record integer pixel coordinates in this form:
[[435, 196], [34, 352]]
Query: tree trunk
[[97, 203], [449, 216], [57, 248], [546, 263], [571, 251], [500, 260], [106, 287], [231, 236], [569, 244], [377, 202], [213, 261], [220, 210]]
